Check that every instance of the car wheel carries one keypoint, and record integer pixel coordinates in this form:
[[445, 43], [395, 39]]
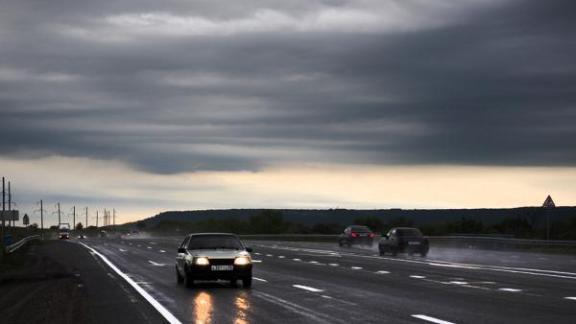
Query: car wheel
[[423, 253], [394, 252], [381, 251], [188, 281], [247, 282], [340, 243], [179, 278]]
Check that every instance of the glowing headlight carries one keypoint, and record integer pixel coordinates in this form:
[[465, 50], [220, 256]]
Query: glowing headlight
[[243, 260], [201, 261]]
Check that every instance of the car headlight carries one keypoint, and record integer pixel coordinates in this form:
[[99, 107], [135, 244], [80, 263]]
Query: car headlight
[[243, 260], [201, 261]]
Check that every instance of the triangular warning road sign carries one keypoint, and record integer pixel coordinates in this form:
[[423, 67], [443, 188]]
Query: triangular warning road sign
[[549, 203]]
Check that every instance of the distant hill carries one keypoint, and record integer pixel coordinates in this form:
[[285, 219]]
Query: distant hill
[[536, 215]]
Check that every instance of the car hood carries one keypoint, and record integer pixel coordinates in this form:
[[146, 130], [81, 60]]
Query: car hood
[[218, 254]]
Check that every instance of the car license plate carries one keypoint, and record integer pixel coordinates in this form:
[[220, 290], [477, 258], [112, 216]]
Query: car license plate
[[414, 243], [222, 268]]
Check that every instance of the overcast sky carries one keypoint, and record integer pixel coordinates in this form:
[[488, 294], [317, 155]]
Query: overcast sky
[[150, 105]]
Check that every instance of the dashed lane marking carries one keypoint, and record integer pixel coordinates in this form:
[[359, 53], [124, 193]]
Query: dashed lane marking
[[260, 279], [382, 272], [570, 298], [510, 289], [431, 319], [307, 288], [356, 268], [417, 277]]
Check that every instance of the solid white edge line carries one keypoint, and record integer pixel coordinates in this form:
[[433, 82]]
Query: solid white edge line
[[312, 289], [431, 319], [260, 279], [159, 307], [570, 298]]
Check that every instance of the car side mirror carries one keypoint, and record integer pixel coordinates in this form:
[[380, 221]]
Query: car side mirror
[[249, 250], [181, 250]]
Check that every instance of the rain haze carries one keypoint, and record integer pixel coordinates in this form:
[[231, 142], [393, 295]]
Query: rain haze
[[146, 106]]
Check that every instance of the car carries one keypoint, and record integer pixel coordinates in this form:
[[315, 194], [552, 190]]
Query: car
[[64, 235], [404, 240], [356, 234], [82, 236], [213, 256]]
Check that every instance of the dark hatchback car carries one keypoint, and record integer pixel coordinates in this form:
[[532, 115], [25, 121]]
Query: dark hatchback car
[[213, 256], [404, 240], [356, 235]]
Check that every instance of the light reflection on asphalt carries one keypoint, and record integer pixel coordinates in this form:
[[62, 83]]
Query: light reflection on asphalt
[[205, 301], [203, 308]]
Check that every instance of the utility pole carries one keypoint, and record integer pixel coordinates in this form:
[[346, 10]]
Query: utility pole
[[86, 225], [41, 215], [114, 217], [3, 207], [73, 217], [59, 218], [10, 221], [96, 219]]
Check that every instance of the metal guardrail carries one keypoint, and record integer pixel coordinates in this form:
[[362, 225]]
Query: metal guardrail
[[13, 247]]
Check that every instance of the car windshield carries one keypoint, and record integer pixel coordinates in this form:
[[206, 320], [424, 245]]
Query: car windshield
[[408, 232], [204, 242], [360, 229]]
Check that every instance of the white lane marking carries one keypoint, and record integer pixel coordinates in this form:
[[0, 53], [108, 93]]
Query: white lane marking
[[297, 260], [417, 277], [527, 271], [260, 279], [281, 257], [159, 307], [314, 262], [431, 319], [356, 268], [256, 261], [307, 288], [156, 264], [122, 250], [570, 298], [269, 255], [510, 289], [257, 253], [300, 310], [458, 282], [333, 264], [382, 272], [327, 297], [162, 251], [149, 247]]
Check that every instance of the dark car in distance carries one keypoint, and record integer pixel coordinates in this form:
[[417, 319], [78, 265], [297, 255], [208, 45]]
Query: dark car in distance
[[403, 240], [356, 235], [213, 256]]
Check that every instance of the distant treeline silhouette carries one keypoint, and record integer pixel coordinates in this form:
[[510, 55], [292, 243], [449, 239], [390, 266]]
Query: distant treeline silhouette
[[530, 224]]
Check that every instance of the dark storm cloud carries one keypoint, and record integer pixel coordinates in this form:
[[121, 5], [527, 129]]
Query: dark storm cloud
[[488, 85]]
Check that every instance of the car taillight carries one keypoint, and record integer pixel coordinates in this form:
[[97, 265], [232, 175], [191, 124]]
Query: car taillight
[[354, 234], [371, 234]]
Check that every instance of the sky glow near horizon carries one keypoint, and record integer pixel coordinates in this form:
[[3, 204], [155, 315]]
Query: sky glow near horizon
[[145, 107]]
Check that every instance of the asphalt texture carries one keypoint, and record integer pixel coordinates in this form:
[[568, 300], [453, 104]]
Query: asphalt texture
[[297, 282], [62, 282]]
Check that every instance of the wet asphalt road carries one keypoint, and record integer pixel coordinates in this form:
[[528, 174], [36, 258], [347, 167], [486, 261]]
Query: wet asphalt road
[[297, 282]]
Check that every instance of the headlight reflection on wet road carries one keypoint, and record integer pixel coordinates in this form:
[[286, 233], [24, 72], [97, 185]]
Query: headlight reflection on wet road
[[242, 305], [203, 308], [204, 304]]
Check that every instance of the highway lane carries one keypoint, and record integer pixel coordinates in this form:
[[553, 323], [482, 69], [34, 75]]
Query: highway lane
[[318, 282]]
